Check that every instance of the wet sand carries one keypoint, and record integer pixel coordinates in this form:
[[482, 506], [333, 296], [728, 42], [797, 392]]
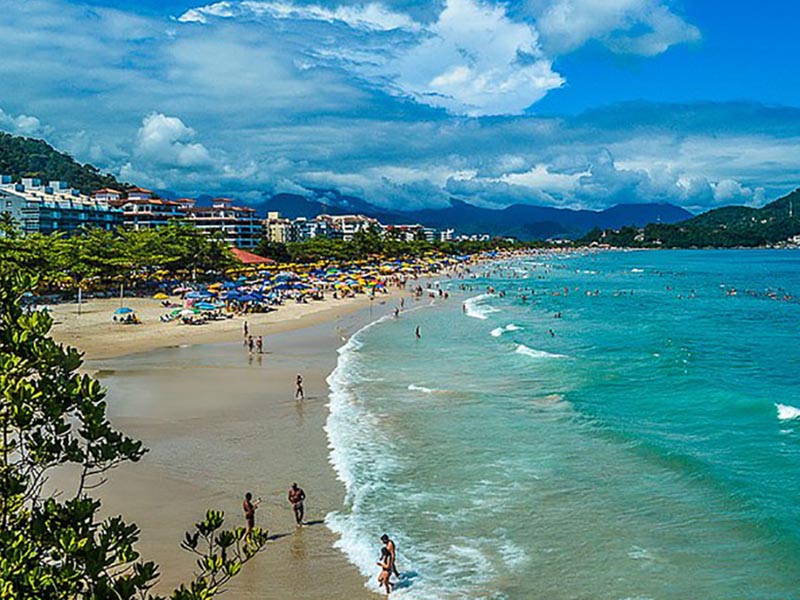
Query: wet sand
[[219, 422]]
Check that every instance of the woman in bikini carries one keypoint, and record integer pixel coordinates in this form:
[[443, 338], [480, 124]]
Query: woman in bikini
[[385, 563]]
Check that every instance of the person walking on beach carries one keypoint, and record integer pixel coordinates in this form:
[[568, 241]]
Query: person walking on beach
[[249, 508], [296, 497], [299, 392], [385, 563], [389, 545], [260, 345], [250, 343]]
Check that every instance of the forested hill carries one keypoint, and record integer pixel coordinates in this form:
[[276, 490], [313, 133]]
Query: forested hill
[[28, 157], [725, 227]]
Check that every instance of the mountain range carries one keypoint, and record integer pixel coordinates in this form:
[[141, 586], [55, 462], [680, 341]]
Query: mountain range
[[729, 226], [523, 221], [27, 157]]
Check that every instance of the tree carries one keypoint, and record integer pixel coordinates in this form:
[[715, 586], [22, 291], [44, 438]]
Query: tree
[[52, 417]]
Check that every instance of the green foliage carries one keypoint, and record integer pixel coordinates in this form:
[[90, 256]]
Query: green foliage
[[28, 157], [51, 416], [100, 257], [726, 227]]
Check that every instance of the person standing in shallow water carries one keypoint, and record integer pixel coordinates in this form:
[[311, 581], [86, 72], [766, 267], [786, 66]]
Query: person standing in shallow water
[[385, 563], [417, 332], [299, 392], [388, 543]]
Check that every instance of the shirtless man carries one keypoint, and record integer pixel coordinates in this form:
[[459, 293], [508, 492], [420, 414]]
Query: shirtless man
[[389, 544], [249, 508], [296, 498], [299, 392]]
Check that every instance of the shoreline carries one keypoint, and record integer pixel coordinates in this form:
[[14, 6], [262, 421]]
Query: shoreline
[[156, 398]]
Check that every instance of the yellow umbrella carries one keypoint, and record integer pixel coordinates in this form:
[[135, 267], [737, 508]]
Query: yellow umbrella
[[160, 296]]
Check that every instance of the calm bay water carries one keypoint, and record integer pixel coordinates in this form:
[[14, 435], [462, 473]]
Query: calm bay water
[[649, 449]]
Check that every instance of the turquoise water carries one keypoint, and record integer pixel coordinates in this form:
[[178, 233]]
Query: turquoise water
[[649, 449]]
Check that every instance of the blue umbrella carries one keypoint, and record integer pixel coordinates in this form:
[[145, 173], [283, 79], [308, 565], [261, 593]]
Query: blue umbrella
[[247, 298], [123, 310], [206, 306]]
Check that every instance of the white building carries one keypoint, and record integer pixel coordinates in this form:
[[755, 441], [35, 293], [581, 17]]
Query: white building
[[55, 207], [278, 229], [149, 213], [344, 227], [239, 225]]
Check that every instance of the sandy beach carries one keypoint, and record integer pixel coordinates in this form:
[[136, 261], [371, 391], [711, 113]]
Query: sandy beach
[[93, 331], [219, 422]]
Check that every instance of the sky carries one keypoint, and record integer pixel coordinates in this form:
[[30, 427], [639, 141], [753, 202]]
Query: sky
[[567, 103]]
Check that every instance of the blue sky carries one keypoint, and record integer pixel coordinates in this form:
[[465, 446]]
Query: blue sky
[[575, 103]]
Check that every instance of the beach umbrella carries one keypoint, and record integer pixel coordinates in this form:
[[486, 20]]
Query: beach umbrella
[[206, 306], [181, 289], [123, 310], [188, 312], [160, 296], [197, 295]]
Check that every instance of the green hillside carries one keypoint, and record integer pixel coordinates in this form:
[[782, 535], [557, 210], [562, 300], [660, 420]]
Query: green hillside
[[28, 157], [726, 227]]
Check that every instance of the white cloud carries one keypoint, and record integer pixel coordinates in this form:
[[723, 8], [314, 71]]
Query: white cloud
[[477, 61], [729, 191], [164, 140], [645, 27], [22, 124], [473, 59], [370, 17]]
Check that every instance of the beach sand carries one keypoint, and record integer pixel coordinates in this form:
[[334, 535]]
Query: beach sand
[[219, 422], [95, 333]]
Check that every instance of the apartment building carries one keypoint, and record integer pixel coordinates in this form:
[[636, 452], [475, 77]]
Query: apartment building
[[239, 225], [54, 207]]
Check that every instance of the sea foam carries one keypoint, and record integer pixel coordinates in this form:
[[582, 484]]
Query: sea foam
[[363, 457], [533, 353], [420, 388], [787, 413], [475, 307], [498, 331]]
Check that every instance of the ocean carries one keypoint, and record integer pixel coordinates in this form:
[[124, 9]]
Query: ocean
[[647, 448]]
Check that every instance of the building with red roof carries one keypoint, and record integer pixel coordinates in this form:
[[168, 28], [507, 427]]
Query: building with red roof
[[248, 258]]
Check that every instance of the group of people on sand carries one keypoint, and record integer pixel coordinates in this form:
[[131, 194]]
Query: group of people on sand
[[296, 497]]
